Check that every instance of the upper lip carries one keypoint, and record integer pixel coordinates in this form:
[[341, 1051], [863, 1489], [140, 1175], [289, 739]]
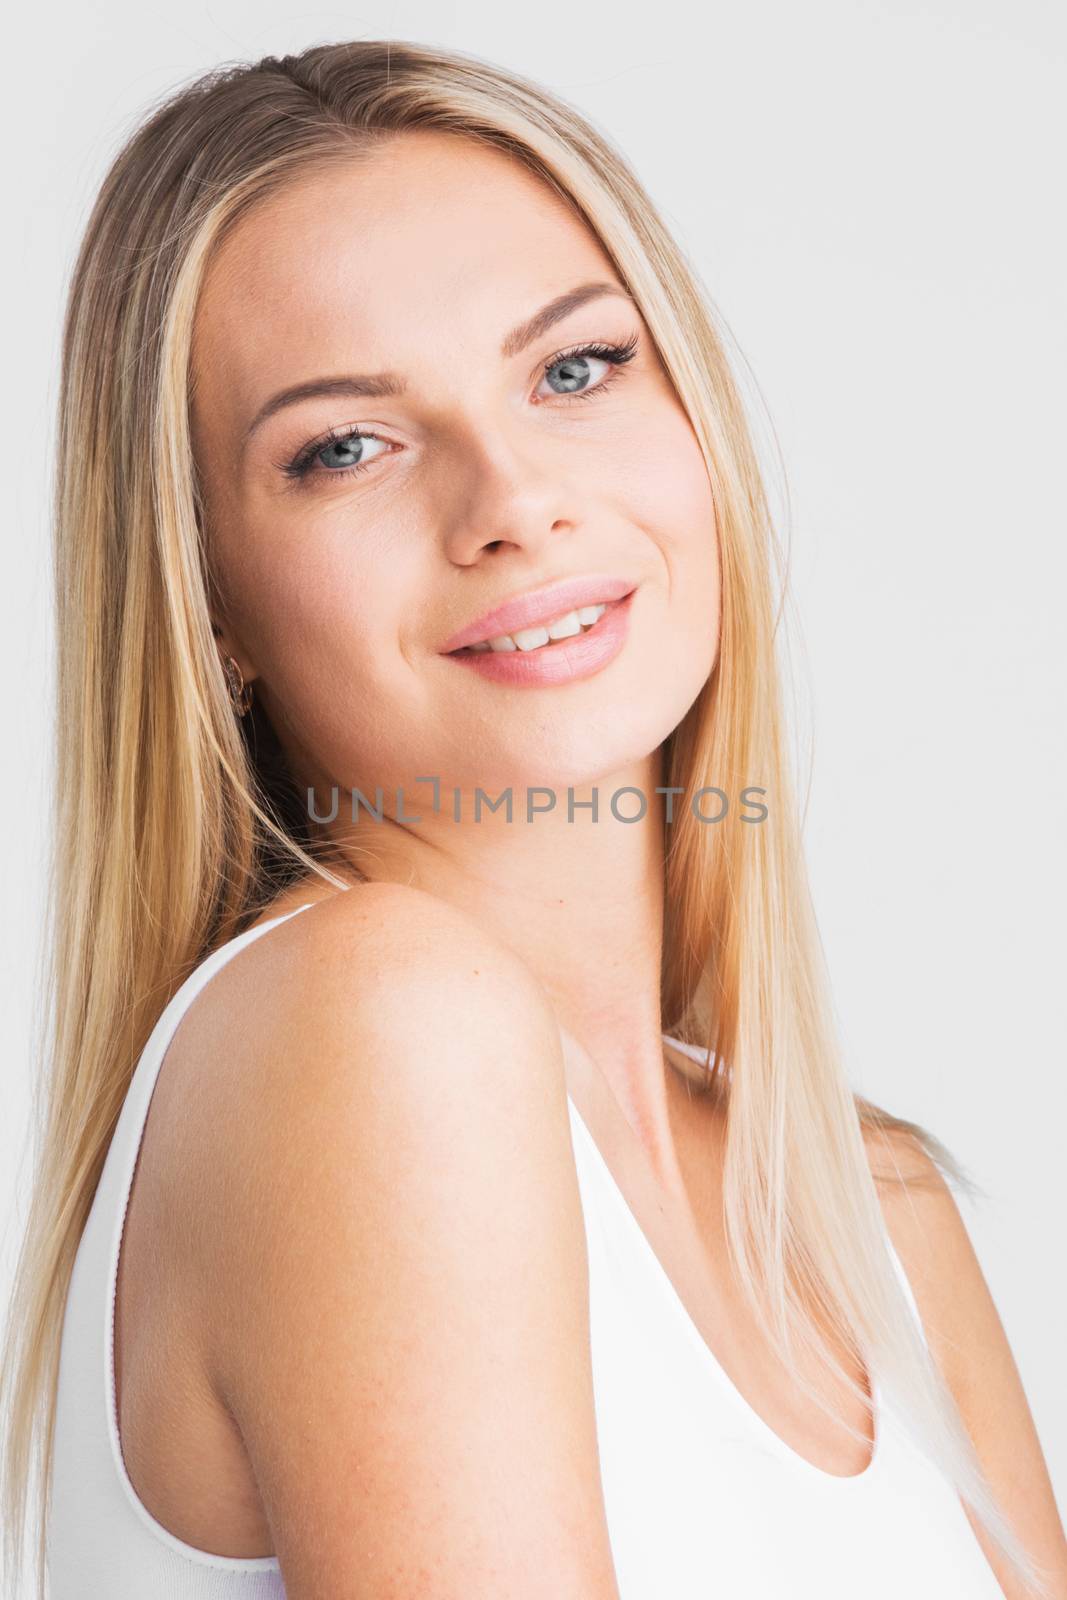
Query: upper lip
[[539, 606]]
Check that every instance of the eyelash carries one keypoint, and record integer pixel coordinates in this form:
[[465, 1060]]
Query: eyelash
[[617, 354]]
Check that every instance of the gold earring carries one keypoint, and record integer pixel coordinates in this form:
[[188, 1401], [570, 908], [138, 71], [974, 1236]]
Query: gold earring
[[240, 691]]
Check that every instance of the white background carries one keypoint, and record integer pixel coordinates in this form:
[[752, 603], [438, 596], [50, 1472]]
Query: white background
[[873, 195]]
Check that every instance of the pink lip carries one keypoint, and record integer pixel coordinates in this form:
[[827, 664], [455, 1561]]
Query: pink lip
[[566, 661], [527, 610]]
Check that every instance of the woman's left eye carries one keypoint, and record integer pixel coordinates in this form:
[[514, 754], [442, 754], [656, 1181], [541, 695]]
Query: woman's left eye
[[570, 374]]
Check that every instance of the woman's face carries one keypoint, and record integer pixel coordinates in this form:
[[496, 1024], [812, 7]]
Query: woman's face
[[356, 527]]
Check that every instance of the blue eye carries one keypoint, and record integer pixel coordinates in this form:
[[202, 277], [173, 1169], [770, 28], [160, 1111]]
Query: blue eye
[[342, 451], [347, 449], [573, 367]]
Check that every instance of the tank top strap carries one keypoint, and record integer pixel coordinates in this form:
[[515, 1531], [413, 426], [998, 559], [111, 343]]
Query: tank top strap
[[96, 1518]]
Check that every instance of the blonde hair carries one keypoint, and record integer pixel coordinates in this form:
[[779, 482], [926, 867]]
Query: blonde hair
[[173, 830]]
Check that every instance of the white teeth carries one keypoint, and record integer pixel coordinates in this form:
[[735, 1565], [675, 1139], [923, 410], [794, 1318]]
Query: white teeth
[[565, 627], [530, 638]]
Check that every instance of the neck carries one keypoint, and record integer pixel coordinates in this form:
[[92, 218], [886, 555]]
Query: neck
[[580, 901]]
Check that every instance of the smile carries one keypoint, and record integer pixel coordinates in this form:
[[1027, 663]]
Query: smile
[[562, 627], [573, 646]]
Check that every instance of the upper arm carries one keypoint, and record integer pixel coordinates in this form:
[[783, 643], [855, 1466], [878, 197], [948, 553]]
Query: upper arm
[[969, 1344], [399, 1256]]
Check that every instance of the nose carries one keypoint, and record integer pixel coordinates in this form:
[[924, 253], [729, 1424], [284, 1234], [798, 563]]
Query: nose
[[504, 496]]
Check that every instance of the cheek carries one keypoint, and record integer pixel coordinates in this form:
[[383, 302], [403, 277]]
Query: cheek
[[322, 622], [667, 493], [668, 496]]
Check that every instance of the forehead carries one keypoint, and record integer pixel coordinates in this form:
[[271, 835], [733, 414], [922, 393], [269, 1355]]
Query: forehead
[[430, 236]]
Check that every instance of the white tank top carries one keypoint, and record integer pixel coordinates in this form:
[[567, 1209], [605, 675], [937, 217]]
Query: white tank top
[[703, 1499]]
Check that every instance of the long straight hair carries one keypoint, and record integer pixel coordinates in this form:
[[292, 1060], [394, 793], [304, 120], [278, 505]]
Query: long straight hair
[[175, 826]]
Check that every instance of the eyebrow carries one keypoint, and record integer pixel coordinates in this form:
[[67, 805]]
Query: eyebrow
[[388, 384]]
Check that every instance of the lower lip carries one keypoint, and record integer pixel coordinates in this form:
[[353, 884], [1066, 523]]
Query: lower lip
[[566, 661]]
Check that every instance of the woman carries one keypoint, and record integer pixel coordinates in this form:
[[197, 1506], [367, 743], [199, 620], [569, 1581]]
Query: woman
[[502, 1222]]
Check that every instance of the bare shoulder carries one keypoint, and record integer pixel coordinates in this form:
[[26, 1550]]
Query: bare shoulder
[[382, 966], [968, 1341], [390, 1228], [388, 936]]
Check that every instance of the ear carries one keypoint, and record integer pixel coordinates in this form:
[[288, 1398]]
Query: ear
[[227, 644]]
